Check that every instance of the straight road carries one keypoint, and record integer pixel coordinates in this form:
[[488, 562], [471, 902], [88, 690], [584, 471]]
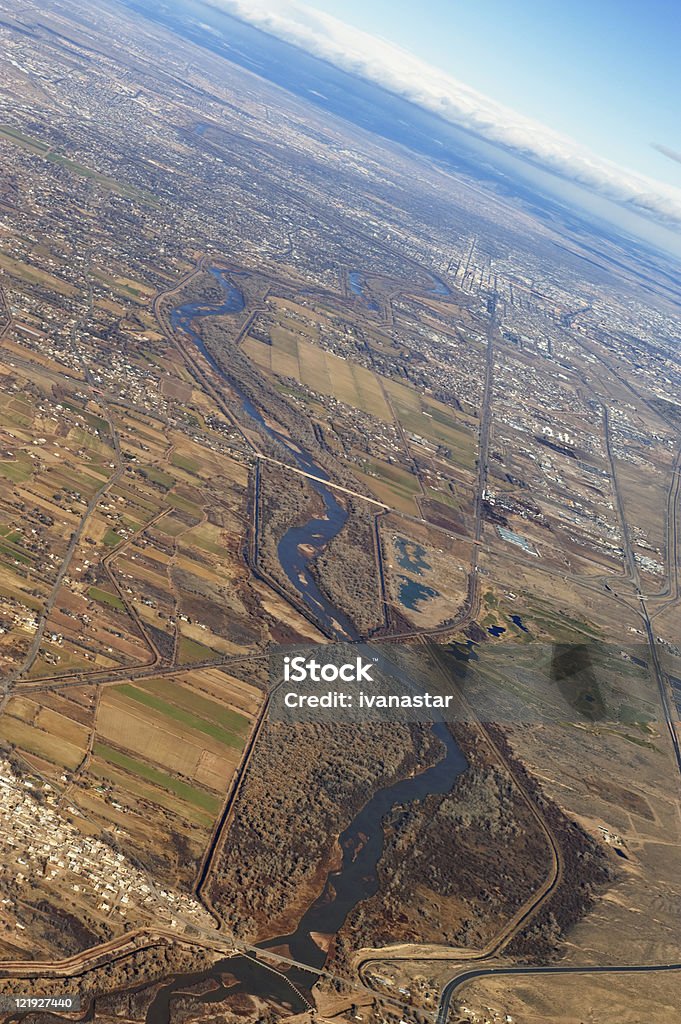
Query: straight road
[[327, 483], [34, 647]]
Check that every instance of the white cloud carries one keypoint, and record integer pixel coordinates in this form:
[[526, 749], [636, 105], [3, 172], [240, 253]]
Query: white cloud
[[404, 74]]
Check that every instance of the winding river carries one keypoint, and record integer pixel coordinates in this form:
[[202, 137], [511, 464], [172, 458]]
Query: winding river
[[362, 846], [362, 842], [300, 544]]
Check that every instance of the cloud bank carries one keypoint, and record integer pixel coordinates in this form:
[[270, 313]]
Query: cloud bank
[[405, 75]]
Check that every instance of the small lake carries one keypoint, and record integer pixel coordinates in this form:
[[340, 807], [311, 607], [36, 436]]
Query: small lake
[[411, 556], [412, 593], [358, 286]]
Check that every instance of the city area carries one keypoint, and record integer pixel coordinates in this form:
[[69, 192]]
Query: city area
[[271, 382]]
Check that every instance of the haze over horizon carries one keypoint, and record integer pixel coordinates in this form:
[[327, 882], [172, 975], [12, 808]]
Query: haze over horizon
[[311, 353], [402, 73]]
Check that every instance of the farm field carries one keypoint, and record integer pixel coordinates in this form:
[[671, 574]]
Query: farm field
[[425, 417], [292, 356], [146, 750], [396, 486], [171, 744]]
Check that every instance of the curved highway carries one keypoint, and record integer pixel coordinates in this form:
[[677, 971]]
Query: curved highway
[[456, 983], [469, 609]]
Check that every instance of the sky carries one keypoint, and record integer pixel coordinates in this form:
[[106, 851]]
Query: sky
[[605, 72], [582, 90]]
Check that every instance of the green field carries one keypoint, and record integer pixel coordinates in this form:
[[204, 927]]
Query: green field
[[18, 470], [444, 497], [192, 650], [179, 714], [157, 476], [171, 526], [183, 505], [129, 784], [184, 462], [16, 556], [395, 486], [97, 422], [111, 538], [107, 598], [195, 702], [192, 795]]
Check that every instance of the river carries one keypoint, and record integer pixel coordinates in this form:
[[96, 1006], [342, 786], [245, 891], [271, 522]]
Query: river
[[362, 841], [362, 846], [300, 544]]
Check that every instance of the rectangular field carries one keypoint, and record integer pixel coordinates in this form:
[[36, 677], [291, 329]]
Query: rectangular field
[[53, 748], [395, 486], [322, 371], [134, 766], [432, 420], [182, 738]]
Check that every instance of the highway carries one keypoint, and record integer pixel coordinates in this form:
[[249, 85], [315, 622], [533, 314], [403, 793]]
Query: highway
[[452, 987], [632, 568], [468, 611]]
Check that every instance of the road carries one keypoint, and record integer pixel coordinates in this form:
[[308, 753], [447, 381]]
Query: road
[[460, 980], [468, 611], [154, 652], [106, 676], [666, 699], [4, 306], [34, 647], [327, 483]]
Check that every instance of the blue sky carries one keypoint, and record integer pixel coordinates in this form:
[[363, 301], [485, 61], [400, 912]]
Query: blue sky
[[605, 72], [577, 90]]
